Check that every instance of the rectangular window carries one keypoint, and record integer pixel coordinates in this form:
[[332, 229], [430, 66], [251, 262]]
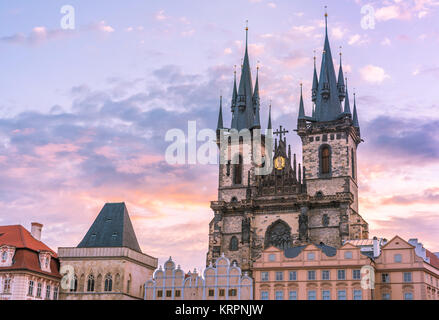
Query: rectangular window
[[356, 274], [232, 293], [398, 258], [311, 256], [211, 292], [341, 295], [30, 291], [408, 296], [293, 275], [168, 293], [264, 295], [341, 274], [7, 285], [159, 294], [386, 296], [326, 295], [348, 255], [358, 295], [222, 292], [279, 276], [279, 295], [272, 257], [48, 292], [325, 275], [312, 295], [407, 277], [177, 293], [39, 288], [311, 275], [292, 295], [264, 276], [55, 293], [385, 278]]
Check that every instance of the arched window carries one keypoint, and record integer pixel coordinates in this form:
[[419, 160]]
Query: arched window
[[129, 284], [233, 244], [237, 171], [91, 283], [325, 160], [353, 163], [98, 283], [278, 235], [4, 255], [108, 283], [74, 284]]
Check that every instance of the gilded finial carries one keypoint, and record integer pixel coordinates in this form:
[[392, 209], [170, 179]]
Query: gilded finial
[[246, 25], [234, 67]]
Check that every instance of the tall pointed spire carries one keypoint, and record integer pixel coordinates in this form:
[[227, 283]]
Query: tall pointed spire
[[315, 81], [220, 124], [347, 106], [340, 83], [301, 106], [355, 117], [234, 102], [256, 102], [269, 127]]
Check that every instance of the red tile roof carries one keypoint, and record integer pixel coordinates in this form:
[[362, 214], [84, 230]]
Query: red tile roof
[[27, 248], [434, 260]]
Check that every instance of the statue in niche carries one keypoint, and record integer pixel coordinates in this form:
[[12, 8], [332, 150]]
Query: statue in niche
[[278, 235], [303, 224]]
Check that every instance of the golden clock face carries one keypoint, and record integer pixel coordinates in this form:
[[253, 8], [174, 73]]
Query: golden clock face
[[279, 163]]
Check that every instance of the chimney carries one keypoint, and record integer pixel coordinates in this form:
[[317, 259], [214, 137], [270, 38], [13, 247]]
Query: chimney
[[36, 230]]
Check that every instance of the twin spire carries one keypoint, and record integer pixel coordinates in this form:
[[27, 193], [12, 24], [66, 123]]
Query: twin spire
[[328, 91]]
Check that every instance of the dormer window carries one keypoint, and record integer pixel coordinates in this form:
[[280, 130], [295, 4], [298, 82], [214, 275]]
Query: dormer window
[[4, 256]]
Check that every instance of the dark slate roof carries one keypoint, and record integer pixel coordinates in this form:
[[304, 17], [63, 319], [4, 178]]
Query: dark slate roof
[[329, 251], [112, 228], [367, 254], [293, 251]]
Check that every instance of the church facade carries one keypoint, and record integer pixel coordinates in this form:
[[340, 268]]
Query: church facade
[[312, 202]]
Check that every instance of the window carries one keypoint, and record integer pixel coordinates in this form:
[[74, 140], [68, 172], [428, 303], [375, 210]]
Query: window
[[311, 275], [325, 160], [91, 283], [348, 255], [47, 262], [353, 163], [272, 257], [222, 292], [232, 293], [55, 293], [177, 293], [385, 278], [264, 276], [325, 275], [398, 258], [311, 255], [159, 294], [292, 295], [293, 275], [168, 293], [356, 274], [341, 274], [279, 276], [211, 292], [408, 296], [39, 289], [312, 295], [358, 295], [237, 171], [233, 244], [48, 289], [30, 291], [407, 277], [279, 295], [326, 295], [4, 256], [264, 295], [341, 294], [386, 296], [108, 287], [74, 284]]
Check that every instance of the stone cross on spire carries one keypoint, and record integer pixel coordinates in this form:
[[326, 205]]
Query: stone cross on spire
[[280, 132]]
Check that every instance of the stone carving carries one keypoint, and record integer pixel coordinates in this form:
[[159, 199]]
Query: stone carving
[[278, 235]]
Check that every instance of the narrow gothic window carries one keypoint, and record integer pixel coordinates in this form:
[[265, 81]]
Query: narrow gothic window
[[233, 244], [353, 163], [228, 168], [108, 283], [74, 284], [91, 283], [237, 174], [325, 158]]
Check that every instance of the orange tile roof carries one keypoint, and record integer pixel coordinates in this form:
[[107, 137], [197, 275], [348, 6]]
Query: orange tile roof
[[434, 260]]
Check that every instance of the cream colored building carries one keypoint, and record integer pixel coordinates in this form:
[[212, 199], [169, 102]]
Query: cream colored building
[[220, 282], [108, 264]]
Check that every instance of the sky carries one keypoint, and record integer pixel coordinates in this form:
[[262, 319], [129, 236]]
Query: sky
[[84, 111]]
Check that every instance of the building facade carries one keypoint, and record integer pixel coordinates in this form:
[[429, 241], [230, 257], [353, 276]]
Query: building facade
[[220, 282], [108, 264], [29, 270], [296, 203], [396, 271]]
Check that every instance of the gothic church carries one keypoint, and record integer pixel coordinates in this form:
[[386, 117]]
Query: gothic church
[[296, 204]]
